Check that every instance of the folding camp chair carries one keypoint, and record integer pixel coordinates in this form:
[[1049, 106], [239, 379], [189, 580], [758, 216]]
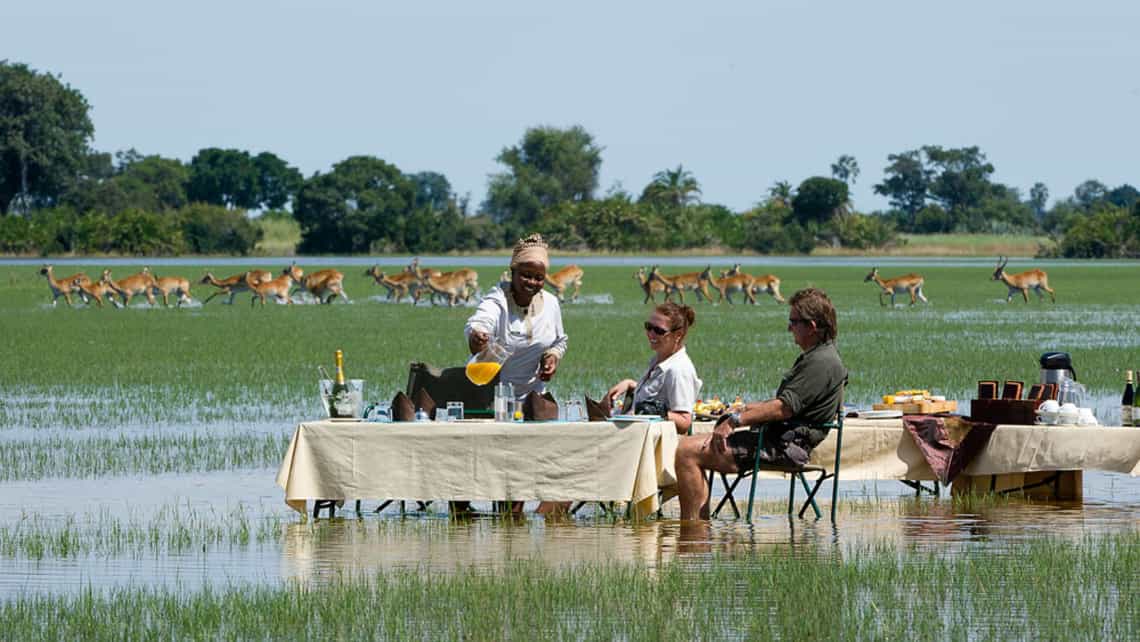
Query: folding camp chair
[[795, 473]]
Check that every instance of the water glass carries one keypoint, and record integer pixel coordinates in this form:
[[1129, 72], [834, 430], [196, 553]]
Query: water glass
[[454, 410], [380, 412], [574, 410], [441, 415], [504, 402]]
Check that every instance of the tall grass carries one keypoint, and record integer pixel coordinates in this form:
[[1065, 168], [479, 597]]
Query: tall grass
[[56, 456], [232, 361], [875, 592]]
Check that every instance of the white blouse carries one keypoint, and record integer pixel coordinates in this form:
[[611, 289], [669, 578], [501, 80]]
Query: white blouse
[[674, 381], [529, 332]]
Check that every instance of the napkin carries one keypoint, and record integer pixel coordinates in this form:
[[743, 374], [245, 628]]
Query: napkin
[[423, 400], [538, 407], [402, 408], [596, 411]]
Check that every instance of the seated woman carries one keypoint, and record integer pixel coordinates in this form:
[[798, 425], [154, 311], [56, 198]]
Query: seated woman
[[670, 386]]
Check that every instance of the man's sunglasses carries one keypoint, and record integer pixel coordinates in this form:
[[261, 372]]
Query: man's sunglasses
[[656, 329]]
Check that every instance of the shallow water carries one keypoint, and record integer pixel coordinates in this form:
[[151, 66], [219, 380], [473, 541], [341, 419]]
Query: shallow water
[[296, 547]]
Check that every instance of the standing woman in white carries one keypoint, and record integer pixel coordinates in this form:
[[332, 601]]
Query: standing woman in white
[[525, 318]]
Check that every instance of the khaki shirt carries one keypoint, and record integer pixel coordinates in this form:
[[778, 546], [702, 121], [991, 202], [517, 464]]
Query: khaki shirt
[[813, 388]]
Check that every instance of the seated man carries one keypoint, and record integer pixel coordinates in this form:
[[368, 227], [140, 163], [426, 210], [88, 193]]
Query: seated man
[[809, 394]]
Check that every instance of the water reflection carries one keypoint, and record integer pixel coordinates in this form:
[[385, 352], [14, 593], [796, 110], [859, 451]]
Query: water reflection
[[316, 551]]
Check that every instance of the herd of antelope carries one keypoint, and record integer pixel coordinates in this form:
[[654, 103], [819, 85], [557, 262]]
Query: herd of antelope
[[735, 281], [323, 285], [460, 285]]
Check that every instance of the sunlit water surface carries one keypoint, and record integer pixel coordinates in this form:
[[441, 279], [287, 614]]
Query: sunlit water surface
[[298, 548]]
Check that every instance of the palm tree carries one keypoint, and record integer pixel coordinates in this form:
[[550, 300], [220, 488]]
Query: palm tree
[[676, 187], [780, 193]]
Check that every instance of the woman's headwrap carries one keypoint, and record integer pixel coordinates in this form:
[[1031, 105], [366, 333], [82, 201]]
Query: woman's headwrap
[[532, 249]]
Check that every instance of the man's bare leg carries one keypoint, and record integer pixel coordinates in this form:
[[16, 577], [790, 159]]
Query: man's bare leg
[[695, 455]]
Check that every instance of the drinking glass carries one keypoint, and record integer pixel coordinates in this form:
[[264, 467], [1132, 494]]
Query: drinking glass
[[504, 402], [574, 410], [380, 411], [454, 410], [484, 365], [441, 415]]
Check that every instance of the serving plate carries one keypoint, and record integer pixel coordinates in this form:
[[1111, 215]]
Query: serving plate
[[635, 418], [880, 414]]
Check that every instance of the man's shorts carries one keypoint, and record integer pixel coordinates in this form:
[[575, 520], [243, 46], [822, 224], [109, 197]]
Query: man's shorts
[[783, 446]]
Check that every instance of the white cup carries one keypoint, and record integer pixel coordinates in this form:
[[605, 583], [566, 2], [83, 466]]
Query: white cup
[[1049, 405], [1069, 413], [1046, 418]]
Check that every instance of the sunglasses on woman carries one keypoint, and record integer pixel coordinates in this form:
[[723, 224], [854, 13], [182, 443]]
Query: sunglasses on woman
[[656, 329]]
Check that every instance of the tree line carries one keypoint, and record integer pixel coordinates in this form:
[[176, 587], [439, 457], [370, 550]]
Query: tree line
[[58, 195]]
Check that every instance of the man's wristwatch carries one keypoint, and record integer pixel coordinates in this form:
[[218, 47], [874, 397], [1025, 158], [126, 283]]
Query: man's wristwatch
[[734, 419]]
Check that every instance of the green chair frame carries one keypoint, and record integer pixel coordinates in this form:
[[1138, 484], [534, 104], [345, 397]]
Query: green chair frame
[[796, 473]]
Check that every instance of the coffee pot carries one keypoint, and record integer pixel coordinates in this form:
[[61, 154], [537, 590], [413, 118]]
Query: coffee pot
[[1057, 368]]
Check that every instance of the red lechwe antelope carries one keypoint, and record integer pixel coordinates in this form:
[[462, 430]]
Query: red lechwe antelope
[[323, 285], [98, 289], [277, 288], [769, 283], [696, 281], [1036, 279], [649, 285], [64, 287], [399, 284], [452, 285], [728, 284], [910, 283], [132, 286], [233, 285], [177, 285], [563, 279]]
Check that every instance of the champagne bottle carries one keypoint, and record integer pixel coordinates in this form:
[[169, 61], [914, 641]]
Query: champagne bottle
[[339, 402], [1127, 401]]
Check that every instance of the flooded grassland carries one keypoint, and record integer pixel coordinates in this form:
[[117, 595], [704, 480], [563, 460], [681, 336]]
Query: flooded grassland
[[138, 448]]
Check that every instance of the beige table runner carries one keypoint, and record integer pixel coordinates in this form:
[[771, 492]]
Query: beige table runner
[[479, 461], [882, 449]]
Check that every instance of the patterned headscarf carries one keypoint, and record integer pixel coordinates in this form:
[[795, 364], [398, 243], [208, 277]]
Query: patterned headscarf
[[532, 249]]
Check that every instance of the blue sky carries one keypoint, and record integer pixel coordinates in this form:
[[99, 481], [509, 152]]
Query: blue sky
[[742, 93]]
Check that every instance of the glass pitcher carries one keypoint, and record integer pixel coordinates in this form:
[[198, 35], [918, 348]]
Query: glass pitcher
[[485, 365]]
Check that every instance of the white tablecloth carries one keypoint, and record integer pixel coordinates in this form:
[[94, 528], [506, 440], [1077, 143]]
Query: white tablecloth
[[479, 460], [882, 449]]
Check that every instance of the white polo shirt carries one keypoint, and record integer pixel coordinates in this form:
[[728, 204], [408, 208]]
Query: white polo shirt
[[674, 381]]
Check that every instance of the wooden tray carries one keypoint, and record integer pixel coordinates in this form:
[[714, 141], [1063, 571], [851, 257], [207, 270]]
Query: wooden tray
[[924, 407]]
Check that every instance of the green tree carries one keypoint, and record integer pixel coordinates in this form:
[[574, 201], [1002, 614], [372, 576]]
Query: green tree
[[1089, 193], [672, 187], [547, 167], [1124, 196], [846, 169], [781, 193], [213, 229], [905, 183], [1039, 199], [433, 190], [361, 204], [224, 177], [818, 199], [961, 176], [277, 181], [44, 135]]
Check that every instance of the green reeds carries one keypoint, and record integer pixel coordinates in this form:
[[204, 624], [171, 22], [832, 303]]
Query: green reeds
[[121, 454], [1044, 589]]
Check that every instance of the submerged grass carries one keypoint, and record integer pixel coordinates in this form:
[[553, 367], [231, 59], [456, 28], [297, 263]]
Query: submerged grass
[[55, 456], [875, 592], [89, 367]]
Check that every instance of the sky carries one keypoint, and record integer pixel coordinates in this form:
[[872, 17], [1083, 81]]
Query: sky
[[741, 93]]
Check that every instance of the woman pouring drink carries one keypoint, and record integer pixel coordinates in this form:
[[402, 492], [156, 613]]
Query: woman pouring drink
[[525, 319]]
